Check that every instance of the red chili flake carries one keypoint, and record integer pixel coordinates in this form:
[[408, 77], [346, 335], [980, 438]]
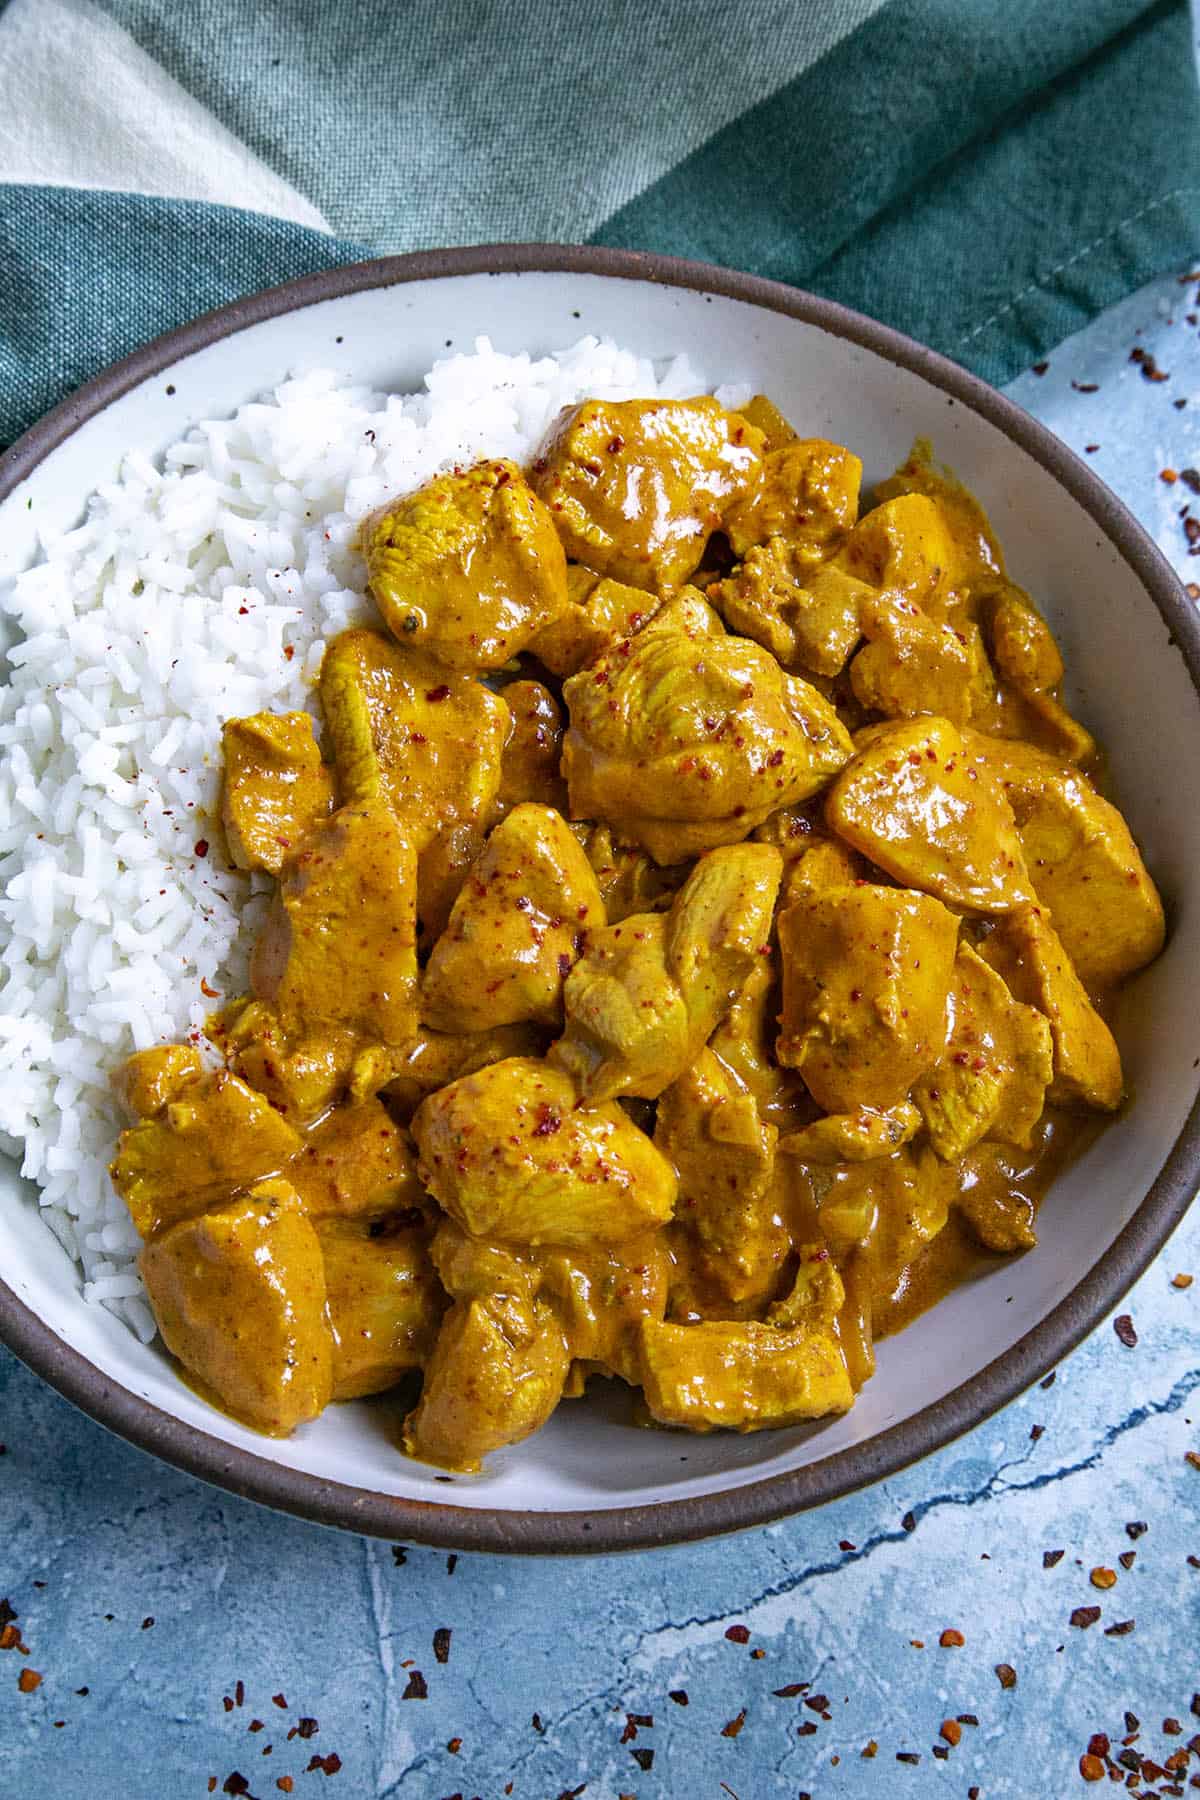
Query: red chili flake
[[738, 1634], [1091, 1768], [416, 1689], [328, 1764], [1121, 1629], [845, 1544], [952, 1639], [615, 445], [288, 652], [908, 1522], [256, 1725], [1101, 1577], [10, 1638], [1123, 1326], [549, 1121], [643, 1756], [678, 1695], [1170, 476], [438, 693], [201, 847], [1136, 1528], [735, 1725], [1006, 1675], [236, 1784], [285, 1784], [951, 1730], [1084, 1616], [1086, 387], [28, 1680], [279, 1701], [791, 1690], [451, 1564], [1150, 369], [1051, 1557], [1127, 1558], [1091, 449], [307, 1728], [1040, 368], [818, 1702], [907, 1756], [148, 1622], [441, 1643], [7, 1612], [775, 758], [1035, 1432]]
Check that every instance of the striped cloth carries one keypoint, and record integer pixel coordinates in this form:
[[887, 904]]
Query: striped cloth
[[985, 174]]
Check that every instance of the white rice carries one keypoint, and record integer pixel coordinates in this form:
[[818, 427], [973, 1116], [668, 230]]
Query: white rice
[[195, 590]]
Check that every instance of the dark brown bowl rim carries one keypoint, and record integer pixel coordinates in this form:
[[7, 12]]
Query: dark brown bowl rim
[[758, 1503]]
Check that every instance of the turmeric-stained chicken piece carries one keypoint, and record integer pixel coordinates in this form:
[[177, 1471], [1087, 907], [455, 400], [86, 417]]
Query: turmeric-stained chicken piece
[[919, 805], [636, 487], [808, 494], [602, 1296], [744, 1041], [741, 1376], [629, 880], [1028, 953], [690, 738], [913, 664], [239, 1295], [529, 766], [858, 1136], [599, 614], [301, 1076], [511, 1155], [385, 1301], [710, 1130], [997, 1065], [149, 1080], [807, 619], [431, 1059], [357, 1163], [1082, 860], [1027, 661], [428, 741], [339, 945], [647, 993], [972, 554], [515, 929], [469, 568], [275, 787], [493, 1379], [216, 1134], [866, 983]]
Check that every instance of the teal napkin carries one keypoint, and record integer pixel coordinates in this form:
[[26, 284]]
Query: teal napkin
[[984, 174]]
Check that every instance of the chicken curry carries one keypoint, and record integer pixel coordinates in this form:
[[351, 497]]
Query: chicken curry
[[689, 954]]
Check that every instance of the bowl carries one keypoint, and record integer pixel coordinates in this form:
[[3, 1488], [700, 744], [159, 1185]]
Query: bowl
[[591, 1480]]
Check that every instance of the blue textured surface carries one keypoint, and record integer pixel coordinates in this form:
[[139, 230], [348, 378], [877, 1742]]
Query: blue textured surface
[[168, 1620]]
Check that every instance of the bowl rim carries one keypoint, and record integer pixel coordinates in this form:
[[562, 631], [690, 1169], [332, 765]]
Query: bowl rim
[[446, 1526]]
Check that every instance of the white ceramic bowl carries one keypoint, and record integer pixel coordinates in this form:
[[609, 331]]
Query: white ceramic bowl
[[590, 1480]]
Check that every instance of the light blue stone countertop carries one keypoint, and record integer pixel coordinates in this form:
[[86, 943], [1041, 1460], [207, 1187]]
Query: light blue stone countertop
[[190, 1643]]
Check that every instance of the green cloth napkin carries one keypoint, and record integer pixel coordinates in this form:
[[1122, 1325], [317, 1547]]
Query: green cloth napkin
[[984, 174]]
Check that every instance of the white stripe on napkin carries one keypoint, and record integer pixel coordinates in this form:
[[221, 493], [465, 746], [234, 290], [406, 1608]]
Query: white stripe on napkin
[[82, 106]]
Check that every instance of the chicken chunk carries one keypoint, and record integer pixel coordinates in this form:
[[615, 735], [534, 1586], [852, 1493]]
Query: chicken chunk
[[744, 1041], [339, 945], [1025, 950], [603, 1295], [972, 554], [431, 1059], [515, 929], [917, 804], [385, 1302], [710, 1131], [239, 1295], [356, 1164], [300, 1076], [866, 980], [648, 992], [467, 569], [911, 664], [149, 1080], [998, 1062], [636, 487], [1030, 668], [1082, 860], [826, 863], [690, 738], [486, 1384], [852, 1137], [510, 1154], [275, 788], [600, 613], [807, 619], [741, 1376], [216, 1135], [808, 494], [529, 766], [429, 741]]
